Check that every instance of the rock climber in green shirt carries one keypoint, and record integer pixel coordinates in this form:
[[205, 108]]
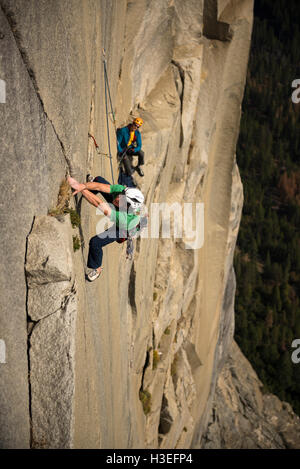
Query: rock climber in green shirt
[[122, 206]]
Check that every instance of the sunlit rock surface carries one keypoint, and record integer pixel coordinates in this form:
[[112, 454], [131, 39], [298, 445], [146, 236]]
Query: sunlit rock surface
[[81, 357]]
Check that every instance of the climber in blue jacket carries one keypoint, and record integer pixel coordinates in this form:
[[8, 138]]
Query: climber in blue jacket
[[129, 143]]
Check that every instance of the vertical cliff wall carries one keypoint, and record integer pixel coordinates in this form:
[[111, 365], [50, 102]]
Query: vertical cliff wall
[[80, 356], [244, 417]]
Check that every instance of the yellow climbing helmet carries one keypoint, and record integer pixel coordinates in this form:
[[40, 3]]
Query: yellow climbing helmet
[[138, 121]]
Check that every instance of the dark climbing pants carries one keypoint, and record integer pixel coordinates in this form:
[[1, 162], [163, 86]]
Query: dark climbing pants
[[141, 157], [103, 239], [125, 180], [96, 245], [128, 160]]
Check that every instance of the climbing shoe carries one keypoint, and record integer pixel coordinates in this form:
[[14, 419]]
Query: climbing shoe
[[139, 171], [93, 275]]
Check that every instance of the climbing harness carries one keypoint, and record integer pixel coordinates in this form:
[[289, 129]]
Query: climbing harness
[[142, 225], [135, 233]]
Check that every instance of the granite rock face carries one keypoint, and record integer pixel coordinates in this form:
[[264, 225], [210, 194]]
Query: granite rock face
[[81, 357], [51, 310], [243, 417], [49, 257]]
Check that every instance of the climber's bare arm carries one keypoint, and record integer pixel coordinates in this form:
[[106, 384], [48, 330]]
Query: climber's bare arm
[[89, 196], [93, 199], [93, 186], [98, 186]]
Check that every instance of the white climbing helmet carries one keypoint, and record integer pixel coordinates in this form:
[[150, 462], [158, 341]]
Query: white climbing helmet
[[134, 197]]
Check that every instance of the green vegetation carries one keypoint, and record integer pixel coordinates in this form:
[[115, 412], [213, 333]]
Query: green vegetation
[[145, 398], [76, 243], [267, 259], [62, 208], [58, 212], [63, 199], [75, 217], [174, 366], [156, 359]]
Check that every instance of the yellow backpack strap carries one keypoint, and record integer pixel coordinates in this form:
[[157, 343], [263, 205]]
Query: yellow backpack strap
[[131, 138]]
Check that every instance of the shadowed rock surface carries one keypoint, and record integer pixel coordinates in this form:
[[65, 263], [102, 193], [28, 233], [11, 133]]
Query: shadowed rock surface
[[243, 417]]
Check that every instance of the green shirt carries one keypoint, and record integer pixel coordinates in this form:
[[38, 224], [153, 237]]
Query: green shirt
[[117, 189], [124, 220]]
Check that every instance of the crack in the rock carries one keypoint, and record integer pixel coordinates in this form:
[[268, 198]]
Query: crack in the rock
[[212, 27], [131, 290], [28, 340], [181, 97], [31, 324], [63, 305], [146, 364], [18, 39], [32, 283]]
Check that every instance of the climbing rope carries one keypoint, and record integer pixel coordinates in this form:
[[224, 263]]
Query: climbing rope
[[107, 95], [129, 248], [108, 89]]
